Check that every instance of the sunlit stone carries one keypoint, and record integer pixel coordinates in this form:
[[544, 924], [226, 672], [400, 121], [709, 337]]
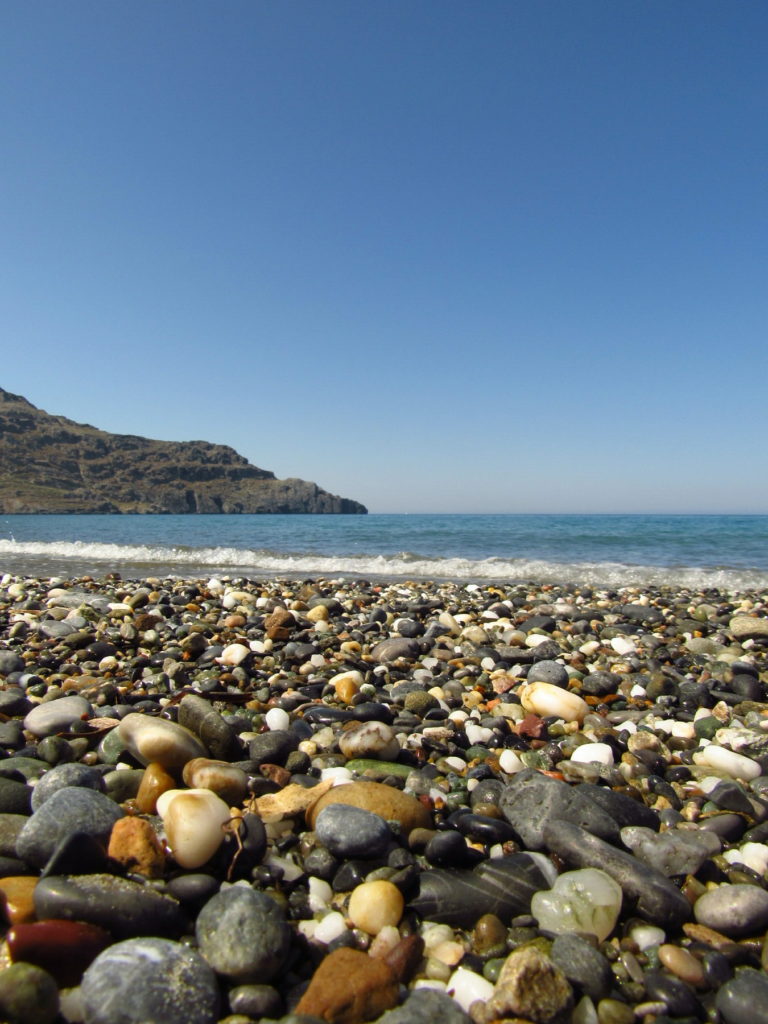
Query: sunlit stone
[[736, 765], [193, 820], [547, 700], [588, 900], [588, 752]]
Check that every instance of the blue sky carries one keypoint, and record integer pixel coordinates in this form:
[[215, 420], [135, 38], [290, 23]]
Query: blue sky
[[434, 255]]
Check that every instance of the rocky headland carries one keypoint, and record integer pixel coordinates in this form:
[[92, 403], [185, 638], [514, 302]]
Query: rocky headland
[[54, 465]]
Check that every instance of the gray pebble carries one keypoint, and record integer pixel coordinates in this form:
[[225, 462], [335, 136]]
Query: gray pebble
[[28, 995], [744, 999], [243, 934], [352, 831], [67, 812], [734, 910], [57, 715], [583, 965], [548, 672], [73, 774], [424, 1006], [149, 981]]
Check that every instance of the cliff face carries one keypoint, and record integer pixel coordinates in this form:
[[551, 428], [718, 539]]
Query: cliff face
[[51, 464]]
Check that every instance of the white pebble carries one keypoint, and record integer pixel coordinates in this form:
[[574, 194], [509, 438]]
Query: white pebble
[[330, 927], [277, 719], [588, 900], [320, 894], [477, 733], [545, 699], [622, 646], [233, 654], [510, 763], [589, 752], [647, 935], [751, 855], [338, 775], [466, 987], [193, 820], [736, 765]]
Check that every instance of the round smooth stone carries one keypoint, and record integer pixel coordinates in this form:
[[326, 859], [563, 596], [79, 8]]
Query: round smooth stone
[[386, 801], [375, 905], [150, 981], [57, 715], [734, 910], [548, 672], [744, 999], [370, 739], [28, 995], [68, 812], [352, 831], [243, 934], [547, 700], [157, 739], [225, 780], [72, 774], [588, 900], [589, 752], [193, 820], [277, 718], [466, 987]]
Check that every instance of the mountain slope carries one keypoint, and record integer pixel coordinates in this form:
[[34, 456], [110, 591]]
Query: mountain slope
[[52, 464]]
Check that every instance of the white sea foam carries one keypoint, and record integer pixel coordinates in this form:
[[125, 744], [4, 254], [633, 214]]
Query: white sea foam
[[81, 556]]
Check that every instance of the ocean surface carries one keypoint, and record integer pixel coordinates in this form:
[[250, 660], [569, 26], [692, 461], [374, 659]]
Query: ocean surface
[[729, 552]]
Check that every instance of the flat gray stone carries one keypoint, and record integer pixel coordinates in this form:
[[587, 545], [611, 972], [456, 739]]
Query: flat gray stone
[[243, 934], [67, 812]]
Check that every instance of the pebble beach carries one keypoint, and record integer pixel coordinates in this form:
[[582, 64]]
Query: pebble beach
[[345, 800]]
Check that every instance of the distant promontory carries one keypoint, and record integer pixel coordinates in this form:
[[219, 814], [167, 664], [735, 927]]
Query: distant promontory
[[51, 464]]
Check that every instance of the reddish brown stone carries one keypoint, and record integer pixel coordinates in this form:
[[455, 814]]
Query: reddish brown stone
[[134, 844], [279, 624], [350, 987], [531, 726], [63, 948]]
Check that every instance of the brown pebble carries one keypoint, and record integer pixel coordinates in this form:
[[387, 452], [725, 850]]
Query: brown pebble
[[134, 844], [489, 933], [682, 963], [405, 957], [17, 894], [154, 783], [386, 801], [349, 987]]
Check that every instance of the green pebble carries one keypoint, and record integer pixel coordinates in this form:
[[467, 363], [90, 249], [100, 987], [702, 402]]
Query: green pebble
[[612, 1011], [28, 995], [419, 702], [477, 753], [492, 968], [364, 764], [705, 728]]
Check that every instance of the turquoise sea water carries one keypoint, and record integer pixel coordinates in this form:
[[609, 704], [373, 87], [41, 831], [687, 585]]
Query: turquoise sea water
[[729, 552]]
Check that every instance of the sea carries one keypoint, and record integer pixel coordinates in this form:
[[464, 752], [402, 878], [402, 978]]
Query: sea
[[727, 552]]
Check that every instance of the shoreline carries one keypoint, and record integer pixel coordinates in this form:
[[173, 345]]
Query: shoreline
[[491, 718]]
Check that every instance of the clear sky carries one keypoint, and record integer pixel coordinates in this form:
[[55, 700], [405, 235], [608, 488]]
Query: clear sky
[[477, 256]]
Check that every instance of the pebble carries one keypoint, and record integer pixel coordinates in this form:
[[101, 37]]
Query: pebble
[[744, 999], [375, 905], [500, 737], [349, 831], [159, 740], [243, 935], [68, 811], [734, 910], [586, 901], [148, 980], [57, 715], [193, 820], [28, 995], [530, 986]]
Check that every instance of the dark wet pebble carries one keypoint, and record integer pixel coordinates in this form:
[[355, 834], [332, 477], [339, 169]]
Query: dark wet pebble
[[583, 965], [121, 906]]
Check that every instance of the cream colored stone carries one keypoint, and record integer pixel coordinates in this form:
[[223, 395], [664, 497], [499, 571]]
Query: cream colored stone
[[375, 905]]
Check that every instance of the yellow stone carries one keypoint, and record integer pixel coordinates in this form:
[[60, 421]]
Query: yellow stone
[[375, 905], [17, 892]]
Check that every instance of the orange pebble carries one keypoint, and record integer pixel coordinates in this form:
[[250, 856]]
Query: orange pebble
[[17, 892], [154, 783]]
